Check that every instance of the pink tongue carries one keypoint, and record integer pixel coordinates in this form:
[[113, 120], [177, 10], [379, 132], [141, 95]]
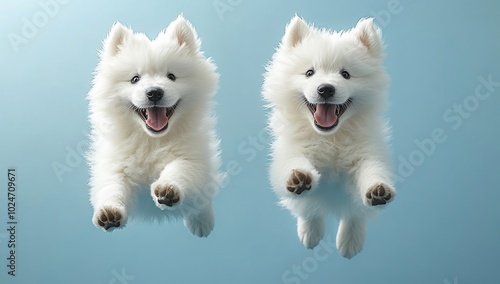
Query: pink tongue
[[157, 118], [325, 115]]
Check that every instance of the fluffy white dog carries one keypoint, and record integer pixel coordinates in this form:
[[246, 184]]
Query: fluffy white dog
[[327, 92], [152, 125]]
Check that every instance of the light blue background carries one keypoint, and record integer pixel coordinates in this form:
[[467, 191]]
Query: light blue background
[[444, 226]]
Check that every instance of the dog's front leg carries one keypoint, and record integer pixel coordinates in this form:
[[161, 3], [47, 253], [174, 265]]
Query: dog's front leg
[[110, 195], [186, 186], [295, 178], [374, 181]]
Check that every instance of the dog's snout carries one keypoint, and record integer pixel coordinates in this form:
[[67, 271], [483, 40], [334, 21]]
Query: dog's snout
[[326, 91], [154, 94]]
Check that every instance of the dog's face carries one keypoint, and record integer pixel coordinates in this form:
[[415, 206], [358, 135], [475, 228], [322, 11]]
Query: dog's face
[[158, 83], [326, 76]]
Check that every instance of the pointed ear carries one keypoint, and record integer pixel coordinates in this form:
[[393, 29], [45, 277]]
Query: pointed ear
[[115, 39], [370, 36], [295, 32], [184, 33]]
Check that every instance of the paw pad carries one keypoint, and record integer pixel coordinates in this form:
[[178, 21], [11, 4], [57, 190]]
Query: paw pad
[[167, 195], [379, 195], [299, 182], [109, 218]]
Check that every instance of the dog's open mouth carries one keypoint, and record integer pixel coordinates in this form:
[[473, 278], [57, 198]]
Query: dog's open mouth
[[156, 118], [327, 116]]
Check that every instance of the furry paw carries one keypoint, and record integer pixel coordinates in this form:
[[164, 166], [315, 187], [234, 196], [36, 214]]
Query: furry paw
[[201, 225], [165, 195], [350, 237], [348, 247], [310, 232], [379, 194], [298, 182], [109, 218]]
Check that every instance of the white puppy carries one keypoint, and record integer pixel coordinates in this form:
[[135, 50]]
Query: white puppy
[[327, 91], [152, 126]]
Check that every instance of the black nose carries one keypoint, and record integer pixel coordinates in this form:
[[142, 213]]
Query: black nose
[[154, 94], [326, 91]]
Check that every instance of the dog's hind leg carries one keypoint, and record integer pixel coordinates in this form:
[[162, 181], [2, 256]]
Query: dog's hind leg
[[351, 236], [311, 230], [202, 223]]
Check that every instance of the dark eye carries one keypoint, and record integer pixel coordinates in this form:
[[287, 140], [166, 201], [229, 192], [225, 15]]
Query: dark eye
[[171, 77], [310, 72], [135, 79], [345, 74]]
